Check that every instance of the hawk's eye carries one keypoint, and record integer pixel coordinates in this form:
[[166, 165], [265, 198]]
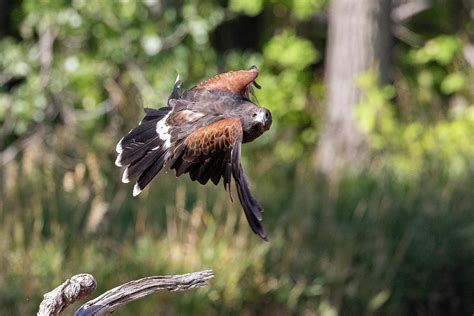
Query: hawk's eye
[[254, 115]]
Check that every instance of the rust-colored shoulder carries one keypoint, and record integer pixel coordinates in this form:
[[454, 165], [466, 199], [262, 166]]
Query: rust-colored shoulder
[[233, 81], [219, 136]]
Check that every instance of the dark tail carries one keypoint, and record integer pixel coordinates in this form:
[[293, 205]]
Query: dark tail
[[252, 209]]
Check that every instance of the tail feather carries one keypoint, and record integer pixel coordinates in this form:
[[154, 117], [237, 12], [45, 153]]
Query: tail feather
[[252, 209]]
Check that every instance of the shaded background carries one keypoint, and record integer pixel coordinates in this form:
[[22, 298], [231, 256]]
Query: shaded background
[[366, 176]]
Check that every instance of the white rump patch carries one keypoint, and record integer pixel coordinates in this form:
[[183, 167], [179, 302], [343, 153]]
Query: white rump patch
[[125, 178], [136, 190], [162, 129], [177, 79]]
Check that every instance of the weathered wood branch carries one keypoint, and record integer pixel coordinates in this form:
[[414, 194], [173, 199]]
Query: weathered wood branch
[[73, 289], [130, 291], [81, 285]]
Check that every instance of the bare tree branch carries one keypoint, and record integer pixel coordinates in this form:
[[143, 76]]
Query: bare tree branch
[[130, 291], [73, 289], [45, 45]]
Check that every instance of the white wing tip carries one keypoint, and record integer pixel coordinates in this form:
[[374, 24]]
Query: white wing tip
[[125, 178], [119, 148], [117, 161], [177, 79], [136, 189]]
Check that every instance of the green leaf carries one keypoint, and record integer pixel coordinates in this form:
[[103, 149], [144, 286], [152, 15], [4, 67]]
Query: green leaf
[[289, 50], [249, 7], [441, 49], [453, 82], [304, 9]]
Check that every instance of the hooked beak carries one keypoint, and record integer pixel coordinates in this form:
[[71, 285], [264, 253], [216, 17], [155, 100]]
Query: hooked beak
[[268, 120], [265, 119]]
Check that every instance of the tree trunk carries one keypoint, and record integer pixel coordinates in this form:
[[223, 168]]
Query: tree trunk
[[5, 10], [358, 41]]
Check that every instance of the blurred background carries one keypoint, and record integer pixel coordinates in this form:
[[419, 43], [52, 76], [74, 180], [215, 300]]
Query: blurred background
[[366, 176]]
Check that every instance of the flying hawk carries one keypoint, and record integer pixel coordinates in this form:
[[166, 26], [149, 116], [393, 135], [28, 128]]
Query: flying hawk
[[200, 132]]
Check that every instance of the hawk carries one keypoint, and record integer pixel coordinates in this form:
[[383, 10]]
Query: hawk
[[200, 132]]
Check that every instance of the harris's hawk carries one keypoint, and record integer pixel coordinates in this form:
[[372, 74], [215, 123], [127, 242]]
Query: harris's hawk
[[200, 132]]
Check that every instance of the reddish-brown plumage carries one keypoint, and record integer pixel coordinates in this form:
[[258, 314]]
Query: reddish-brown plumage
[[233, 81], [218, 136]]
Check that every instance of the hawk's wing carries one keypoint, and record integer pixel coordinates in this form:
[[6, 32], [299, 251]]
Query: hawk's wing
[[213, 152], [149, 146], [239, 82]]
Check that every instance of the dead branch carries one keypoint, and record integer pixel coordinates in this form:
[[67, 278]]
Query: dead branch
[[81, 285], [73, 289], [130, 291]]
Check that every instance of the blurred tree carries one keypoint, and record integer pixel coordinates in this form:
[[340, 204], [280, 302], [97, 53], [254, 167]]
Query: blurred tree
[[5, 7], [358, 41]]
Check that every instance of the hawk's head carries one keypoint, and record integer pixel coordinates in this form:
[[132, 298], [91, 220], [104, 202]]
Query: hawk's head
[[255, 120]]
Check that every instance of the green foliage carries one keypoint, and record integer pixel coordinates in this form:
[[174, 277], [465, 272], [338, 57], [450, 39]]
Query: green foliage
[[248, 7], [440, 50], [405, 148], [434, 72], [305, 9], [289, 51], [452, 83], [301, 9]]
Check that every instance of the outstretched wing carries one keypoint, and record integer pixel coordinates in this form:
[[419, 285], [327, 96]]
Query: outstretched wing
[[238, 82], [149, 146], [213, 152]]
